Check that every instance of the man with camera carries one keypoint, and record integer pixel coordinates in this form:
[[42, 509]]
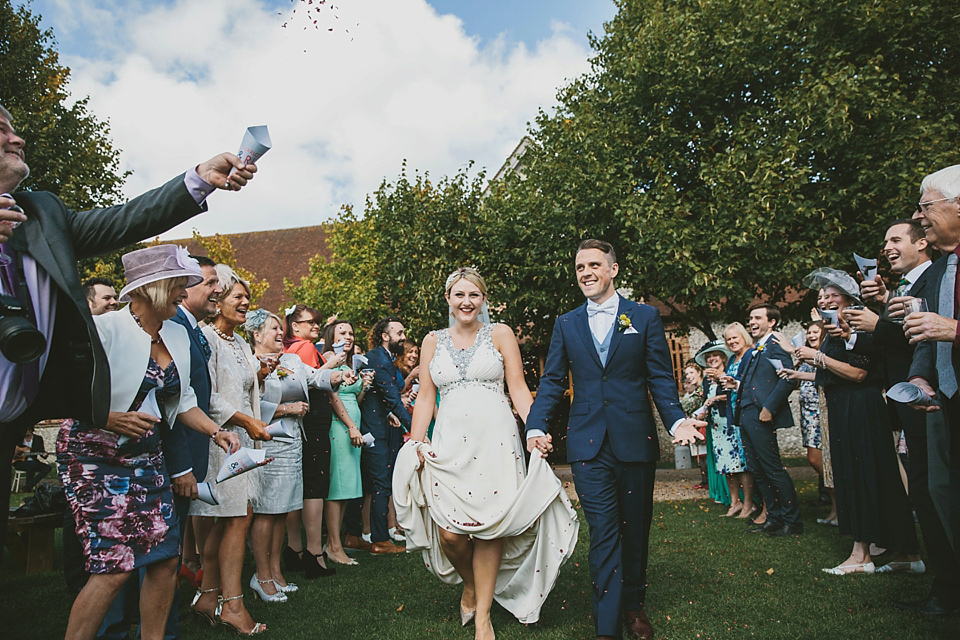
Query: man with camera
[[52, 364]]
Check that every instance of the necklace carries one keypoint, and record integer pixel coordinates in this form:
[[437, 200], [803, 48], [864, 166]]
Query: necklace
[[222, 334], [232, 340], [139, 324]]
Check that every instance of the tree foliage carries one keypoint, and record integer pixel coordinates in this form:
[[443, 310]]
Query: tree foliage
[[68, 150], [729, 147], [725, 147], [220, 250], [396, 258]]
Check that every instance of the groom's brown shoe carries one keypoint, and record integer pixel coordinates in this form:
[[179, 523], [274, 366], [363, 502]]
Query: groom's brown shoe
[[638, 625]]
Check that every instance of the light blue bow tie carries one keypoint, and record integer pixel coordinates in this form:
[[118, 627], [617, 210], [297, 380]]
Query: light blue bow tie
[[594, 309]]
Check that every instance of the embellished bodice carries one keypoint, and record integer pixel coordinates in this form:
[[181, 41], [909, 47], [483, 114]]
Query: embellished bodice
[[479, 365]]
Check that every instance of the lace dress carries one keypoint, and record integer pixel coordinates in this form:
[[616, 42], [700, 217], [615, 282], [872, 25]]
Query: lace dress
[[233, 388], [474, 482]]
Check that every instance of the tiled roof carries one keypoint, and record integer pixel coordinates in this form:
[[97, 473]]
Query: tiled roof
[[273, 256]]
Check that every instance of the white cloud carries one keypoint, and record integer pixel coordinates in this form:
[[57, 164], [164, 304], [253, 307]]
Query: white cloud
[[180, 83]]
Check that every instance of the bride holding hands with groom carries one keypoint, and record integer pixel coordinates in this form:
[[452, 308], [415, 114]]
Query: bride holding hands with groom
[[468, 500]]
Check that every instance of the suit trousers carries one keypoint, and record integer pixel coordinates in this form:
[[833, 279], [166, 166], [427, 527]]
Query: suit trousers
[[762, 452], [944, 471], [946, 570], [377, 470], [617, 501]]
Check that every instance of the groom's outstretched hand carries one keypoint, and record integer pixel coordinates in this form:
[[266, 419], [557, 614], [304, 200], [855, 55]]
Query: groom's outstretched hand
[[686, 432], [544, 444]]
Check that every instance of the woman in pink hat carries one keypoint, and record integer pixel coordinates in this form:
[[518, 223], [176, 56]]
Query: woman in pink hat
[[114, 475]]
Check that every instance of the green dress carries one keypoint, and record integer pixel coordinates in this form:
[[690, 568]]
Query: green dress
[[345, 481]]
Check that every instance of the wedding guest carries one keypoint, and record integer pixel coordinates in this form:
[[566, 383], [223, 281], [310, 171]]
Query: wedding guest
[[810, 412], [761, 409], [27, 459], [345, 440], [872, 505], [235, 405], [739, 342], [386, 418], [283, 403], [188, 457], [115, 479], [690, 402], [726, 446], [409, 366], [101, 296], [908, 251], [301, 331]]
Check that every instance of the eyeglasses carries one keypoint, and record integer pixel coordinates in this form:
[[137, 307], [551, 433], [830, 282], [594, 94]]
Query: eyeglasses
[[925, 206], [313, 322]]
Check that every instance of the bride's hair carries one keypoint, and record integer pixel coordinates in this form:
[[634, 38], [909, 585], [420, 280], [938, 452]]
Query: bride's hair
[[466, 273]]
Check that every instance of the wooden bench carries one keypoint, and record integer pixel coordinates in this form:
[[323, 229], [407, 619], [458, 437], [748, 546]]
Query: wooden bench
[[30, 540]]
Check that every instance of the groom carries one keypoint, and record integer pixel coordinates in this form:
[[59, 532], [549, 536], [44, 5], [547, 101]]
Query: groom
[[617, 352]]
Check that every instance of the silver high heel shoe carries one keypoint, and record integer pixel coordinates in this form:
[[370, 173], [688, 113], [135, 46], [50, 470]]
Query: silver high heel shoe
[[466, 617], [255, 583], [258, 627], [193, 604], [285, 588]]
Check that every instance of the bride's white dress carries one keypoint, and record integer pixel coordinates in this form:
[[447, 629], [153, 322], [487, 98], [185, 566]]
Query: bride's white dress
[[474, 482]]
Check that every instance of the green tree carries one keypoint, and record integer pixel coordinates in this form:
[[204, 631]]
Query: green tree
[[729, 147], [69, 151], [396, 258], [220, 250]]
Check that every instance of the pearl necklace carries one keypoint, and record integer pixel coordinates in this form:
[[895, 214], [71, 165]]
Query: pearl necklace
[[232, 339]]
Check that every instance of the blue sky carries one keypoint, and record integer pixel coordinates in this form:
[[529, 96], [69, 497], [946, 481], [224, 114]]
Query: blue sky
[[375, 84]]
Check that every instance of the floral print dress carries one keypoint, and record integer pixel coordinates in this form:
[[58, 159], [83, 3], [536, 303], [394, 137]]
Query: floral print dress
[[119, 494], [727, 443]]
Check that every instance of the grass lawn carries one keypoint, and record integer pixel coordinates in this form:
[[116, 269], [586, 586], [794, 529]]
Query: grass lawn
[[708, 579]]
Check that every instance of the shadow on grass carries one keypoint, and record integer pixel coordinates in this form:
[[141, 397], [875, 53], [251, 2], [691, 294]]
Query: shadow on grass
[[708, 579]]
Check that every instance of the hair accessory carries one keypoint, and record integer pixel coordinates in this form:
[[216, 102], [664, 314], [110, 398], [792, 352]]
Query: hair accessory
[[289, 310], [255, 319], [456, 275]]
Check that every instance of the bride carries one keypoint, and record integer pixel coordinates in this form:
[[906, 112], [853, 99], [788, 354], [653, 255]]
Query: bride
[[466, 499]]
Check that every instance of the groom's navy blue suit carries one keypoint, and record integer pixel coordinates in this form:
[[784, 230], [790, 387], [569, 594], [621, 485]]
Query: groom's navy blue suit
[[612, 442]]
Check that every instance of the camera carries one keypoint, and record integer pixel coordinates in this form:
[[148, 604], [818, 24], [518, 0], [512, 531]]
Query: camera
[[20, 341]]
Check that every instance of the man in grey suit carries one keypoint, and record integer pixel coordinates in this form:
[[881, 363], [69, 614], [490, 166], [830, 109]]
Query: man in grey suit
[[936, 361], [44, 240]]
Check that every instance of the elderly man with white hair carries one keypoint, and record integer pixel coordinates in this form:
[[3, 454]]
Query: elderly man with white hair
[[936, 361]]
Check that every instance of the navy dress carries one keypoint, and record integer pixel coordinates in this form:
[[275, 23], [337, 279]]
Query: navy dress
[[120, 496]]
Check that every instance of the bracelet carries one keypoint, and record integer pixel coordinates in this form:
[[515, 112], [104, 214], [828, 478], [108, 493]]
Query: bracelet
[[213, 436]]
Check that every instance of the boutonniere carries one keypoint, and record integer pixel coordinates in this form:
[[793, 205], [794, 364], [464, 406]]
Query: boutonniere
[[760, 348], [624, 322], [282, 373]]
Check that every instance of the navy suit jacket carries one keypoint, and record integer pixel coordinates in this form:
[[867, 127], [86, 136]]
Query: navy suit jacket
[[185, 448], [762, 387], [610, 401], [889, 343], [383, 398]]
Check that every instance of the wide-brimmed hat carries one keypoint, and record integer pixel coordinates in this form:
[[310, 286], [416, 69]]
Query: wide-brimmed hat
[[711, 347], [827, 277], [152, 264]]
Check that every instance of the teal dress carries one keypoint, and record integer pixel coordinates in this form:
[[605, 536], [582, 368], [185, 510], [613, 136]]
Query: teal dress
[[345, 483]]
